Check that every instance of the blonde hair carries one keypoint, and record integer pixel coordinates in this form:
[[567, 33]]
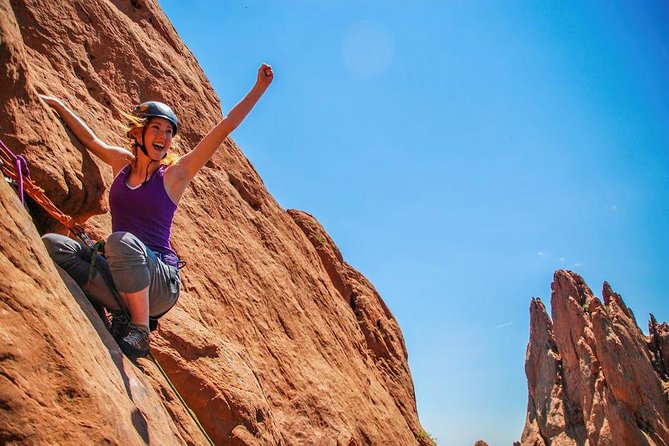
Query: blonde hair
[[135, 122]]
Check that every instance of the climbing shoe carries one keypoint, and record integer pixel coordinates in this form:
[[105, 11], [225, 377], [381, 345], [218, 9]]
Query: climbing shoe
[[119, 325], [136, 343]]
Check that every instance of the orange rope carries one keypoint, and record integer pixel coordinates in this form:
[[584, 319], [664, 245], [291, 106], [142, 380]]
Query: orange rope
[[37, 194]]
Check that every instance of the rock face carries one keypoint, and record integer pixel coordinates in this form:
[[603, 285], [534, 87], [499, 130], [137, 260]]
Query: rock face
[[593, 376], [275, 339], [62, 378]]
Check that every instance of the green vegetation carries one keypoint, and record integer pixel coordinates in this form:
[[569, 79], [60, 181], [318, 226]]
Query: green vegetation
[[423, 437]]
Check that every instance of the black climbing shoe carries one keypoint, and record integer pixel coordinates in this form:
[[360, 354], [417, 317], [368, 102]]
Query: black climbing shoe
[[136, 343], [119, 325]]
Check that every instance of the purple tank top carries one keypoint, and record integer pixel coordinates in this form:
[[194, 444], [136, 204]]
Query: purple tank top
[[146, 212]]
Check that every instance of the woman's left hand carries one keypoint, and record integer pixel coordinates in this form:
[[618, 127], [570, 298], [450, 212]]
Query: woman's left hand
[[265, 75]]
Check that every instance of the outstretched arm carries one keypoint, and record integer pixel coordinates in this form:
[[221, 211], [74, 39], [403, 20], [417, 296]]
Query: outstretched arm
[[192, 162], [116, 157]]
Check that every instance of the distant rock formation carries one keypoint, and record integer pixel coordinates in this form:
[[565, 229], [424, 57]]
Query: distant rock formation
[[275, 339], [593, 377]]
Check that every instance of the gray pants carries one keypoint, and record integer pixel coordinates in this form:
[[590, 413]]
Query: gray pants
[[130, 266]]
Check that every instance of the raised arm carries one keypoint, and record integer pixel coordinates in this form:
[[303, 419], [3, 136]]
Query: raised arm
[[191, 163], [116, 157]]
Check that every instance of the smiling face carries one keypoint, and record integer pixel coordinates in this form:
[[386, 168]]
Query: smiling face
[[158, 133]]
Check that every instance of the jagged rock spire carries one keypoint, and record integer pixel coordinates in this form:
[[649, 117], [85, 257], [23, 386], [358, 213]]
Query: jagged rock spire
[[593, 377]]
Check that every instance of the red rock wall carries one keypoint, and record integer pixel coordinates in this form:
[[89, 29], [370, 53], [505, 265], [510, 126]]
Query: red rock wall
[[593, 376], [63, 380], [275, 339]]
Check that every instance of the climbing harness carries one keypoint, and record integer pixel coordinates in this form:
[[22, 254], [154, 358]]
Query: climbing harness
[[15, 169], [98, 248], [183, 402]]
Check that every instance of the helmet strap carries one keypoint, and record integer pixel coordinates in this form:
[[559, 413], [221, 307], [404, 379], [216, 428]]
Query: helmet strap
[[142, 146]]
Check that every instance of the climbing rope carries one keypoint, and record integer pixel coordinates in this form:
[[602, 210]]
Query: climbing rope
[[98, 248], [20, 167], [183, 402], [15, 168]]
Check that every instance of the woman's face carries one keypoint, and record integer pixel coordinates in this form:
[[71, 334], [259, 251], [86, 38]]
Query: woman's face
[[158, 137]]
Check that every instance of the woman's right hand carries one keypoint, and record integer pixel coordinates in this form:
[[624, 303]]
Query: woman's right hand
[[265, 75], [116, 157]]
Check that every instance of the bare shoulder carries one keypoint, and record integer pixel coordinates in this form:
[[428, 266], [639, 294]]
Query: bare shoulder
[[117, 168], [176, 172]]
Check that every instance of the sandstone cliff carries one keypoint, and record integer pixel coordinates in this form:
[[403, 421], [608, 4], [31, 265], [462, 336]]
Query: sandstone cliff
[[275, 339], [593, 377]]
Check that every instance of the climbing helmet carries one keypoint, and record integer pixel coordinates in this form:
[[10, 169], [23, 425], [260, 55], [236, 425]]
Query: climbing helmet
[[155, 109]]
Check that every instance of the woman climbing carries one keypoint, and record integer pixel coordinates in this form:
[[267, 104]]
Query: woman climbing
[[148, 184]]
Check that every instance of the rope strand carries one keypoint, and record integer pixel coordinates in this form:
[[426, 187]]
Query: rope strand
[[15, 167], [183, 402], [20, 165]]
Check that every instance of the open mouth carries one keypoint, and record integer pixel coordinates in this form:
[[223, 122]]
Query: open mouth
[[157, 146]]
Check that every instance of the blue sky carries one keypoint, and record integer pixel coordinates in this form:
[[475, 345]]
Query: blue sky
[[459, 152]]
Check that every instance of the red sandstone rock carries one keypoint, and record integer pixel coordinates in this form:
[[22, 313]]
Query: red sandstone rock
[[659, 346], [63, 380], [592, 376], [275, 339]]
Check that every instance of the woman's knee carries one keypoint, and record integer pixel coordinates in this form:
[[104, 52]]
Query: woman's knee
[[117, 238], [50, 242], [128, 261], [69, 255], [60, 247], [123, 243]]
